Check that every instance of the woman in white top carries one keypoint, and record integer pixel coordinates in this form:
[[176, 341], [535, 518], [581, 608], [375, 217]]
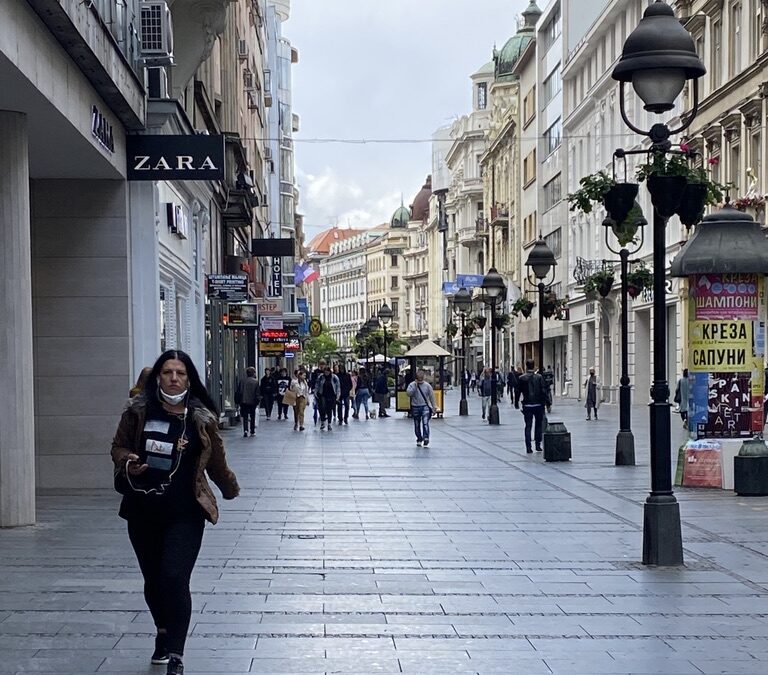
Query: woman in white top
[[300, 387]]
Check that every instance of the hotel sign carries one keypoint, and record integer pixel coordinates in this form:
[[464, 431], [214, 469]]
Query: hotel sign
[[180, 157]]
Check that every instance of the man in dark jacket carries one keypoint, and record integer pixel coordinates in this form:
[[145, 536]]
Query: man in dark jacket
[[247, 397], [381, 392], [345, 386], [327, 391], [511, 384], [535, 395]]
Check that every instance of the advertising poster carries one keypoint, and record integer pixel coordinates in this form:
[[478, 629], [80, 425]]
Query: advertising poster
[[703, 464], [725, 296], [730, 405]]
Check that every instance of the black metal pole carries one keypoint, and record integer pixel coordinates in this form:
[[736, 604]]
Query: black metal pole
[[541, 326], [493, 413], [463, 405], [385, 345], [662, 536], [625, 440]]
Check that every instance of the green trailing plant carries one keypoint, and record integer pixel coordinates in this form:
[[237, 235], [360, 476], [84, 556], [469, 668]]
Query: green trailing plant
[[638, 280], [451, 329], [590, 289], [553, 306], [591, 191], [679, 164], [469, 329], [501, 321]]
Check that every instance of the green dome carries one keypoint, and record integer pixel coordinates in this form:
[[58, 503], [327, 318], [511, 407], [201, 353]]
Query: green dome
[[505, 59], [400, 218]]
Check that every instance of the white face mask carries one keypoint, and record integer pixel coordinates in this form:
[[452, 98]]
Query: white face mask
[[173, 399]]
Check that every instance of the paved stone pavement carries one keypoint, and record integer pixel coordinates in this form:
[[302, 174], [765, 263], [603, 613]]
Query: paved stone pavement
[[354, 551]]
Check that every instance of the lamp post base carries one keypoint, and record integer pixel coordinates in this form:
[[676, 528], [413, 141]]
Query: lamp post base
[[662, 537], [625, 448], [493, 414], [463, 407]]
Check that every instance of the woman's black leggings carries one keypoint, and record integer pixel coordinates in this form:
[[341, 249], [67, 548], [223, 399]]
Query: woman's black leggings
[[167, 553]]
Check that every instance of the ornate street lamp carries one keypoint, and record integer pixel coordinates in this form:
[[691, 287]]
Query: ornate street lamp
[[541, 261], [657, 58], [462, 305], [626, 234], [385, 316], [494, 289]]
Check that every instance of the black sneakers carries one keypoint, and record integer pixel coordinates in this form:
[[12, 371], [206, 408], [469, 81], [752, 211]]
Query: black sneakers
[[160, 655], [175, 666]]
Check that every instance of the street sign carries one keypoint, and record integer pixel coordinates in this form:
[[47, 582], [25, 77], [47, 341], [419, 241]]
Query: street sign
[[271, 323], [228, 287]]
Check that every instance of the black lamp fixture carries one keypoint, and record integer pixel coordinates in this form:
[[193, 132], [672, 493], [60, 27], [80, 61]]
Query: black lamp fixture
[[462, 305], [385, 317], [541, 261], [626, 233], [658, 57], [494, 291]]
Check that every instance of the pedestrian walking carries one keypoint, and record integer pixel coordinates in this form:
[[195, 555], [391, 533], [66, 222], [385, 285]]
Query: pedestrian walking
[[549, 380], [423, 406], [362, 393], [247, 397], [282, 382], [167, 440], [472, 381], [268, 391], [327, 392], [485, 388], [140, 382], [381, 392], [511, 384], [590, 386], [345, 386], [300, 389], [535, 394], [681, 397]]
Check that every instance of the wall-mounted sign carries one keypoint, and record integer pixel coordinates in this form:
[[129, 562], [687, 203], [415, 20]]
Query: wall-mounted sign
[[273, 247], [270, 306], [162, 157], [315, 326], [176, 219], [276, 277], [101, 130], [469, 280], [242, 315], [228, 286], [271, 323]]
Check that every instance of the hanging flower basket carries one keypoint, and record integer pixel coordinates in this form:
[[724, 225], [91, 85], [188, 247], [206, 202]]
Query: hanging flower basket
[[451, 329], [633, 291], [480, 321], [590, 289], [619, 200], [602, 281], [592, 190], [501, 321], [666, 192], [692, 203], [550, 305], [522, 306], [469, 330], [638, 280]]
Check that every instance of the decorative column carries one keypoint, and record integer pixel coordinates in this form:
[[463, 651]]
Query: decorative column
[[17, 432]]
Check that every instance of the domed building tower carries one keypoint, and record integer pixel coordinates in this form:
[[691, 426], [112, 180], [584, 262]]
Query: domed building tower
[[420, 206], [400, 218]]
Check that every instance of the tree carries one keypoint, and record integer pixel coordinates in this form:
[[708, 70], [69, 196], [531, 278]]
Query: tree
[[320, 347]]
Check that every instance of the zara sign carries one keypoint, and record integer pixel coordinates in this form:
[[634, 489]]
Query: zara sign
[[175, 157]]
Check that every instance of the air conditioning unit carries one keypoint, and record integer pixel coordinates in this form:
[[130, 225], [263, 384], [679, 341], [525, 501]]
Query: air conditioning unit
[[267, 153], [242, 50], [156, 33], [156, 82], [248, 83]]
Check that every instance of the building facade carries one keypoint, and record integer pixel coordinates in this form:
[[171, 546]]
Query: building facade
[[385, 267], [415, 326]]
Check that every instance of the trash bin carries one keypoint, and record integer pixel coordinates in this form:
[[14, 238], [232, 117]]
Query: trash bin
[[557, 443]]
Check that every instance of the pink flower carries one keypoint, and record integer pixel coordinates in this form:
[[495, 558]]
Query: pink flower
[[684, 147], [712, 161]]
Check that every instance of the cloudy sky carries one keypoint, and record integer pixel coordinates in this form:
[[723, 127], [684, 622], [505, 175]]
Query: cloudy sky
[[381, 69]]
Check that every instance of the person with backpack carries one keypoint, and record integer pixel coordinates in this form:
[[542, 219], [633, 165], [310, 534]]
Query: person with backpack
[[247, 397], [535, 395], [327, 393]]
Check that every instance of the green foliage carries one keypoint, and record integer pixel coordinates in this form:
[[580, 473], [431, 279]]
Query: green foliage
[[321, 347], [451, 329], [641, 278], [522, 306], [592, 191]]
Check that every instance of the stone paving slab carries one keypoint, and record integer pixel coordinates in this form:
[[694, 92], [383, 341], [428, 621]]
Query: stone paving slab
[[357, 552]]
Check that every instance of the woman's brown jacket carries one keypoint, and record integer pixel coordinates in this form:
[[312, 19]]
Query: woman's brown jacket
[[212, 458]]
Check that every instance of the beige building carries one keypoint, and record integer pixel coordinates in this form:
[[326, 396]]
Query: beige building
[[417, 259], [385, 268]]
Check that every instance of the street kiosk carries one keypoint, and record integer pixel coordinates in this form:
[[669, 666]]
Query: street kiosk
[[428, 357]]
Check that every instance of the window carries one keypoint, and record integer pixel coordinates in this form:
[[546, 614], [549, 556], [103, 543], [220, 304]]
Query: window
[[551, 86], [552, 193], [395, 312], [734, 157], [394, 282], [551, 31], [552, 138], [529, 227], [482, 95], [734, 40], [529, 107], [756, 32], [555, 242], [529, 168], [717, 43], [393, 261]]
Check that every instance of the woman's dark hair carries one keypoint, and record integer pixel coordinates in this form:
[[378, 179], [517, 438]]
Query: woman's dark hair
[[196, 387]]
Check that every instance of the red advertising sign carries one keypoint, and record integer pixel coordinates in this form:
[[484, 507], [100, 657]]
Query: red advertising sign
[[725, 296]]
